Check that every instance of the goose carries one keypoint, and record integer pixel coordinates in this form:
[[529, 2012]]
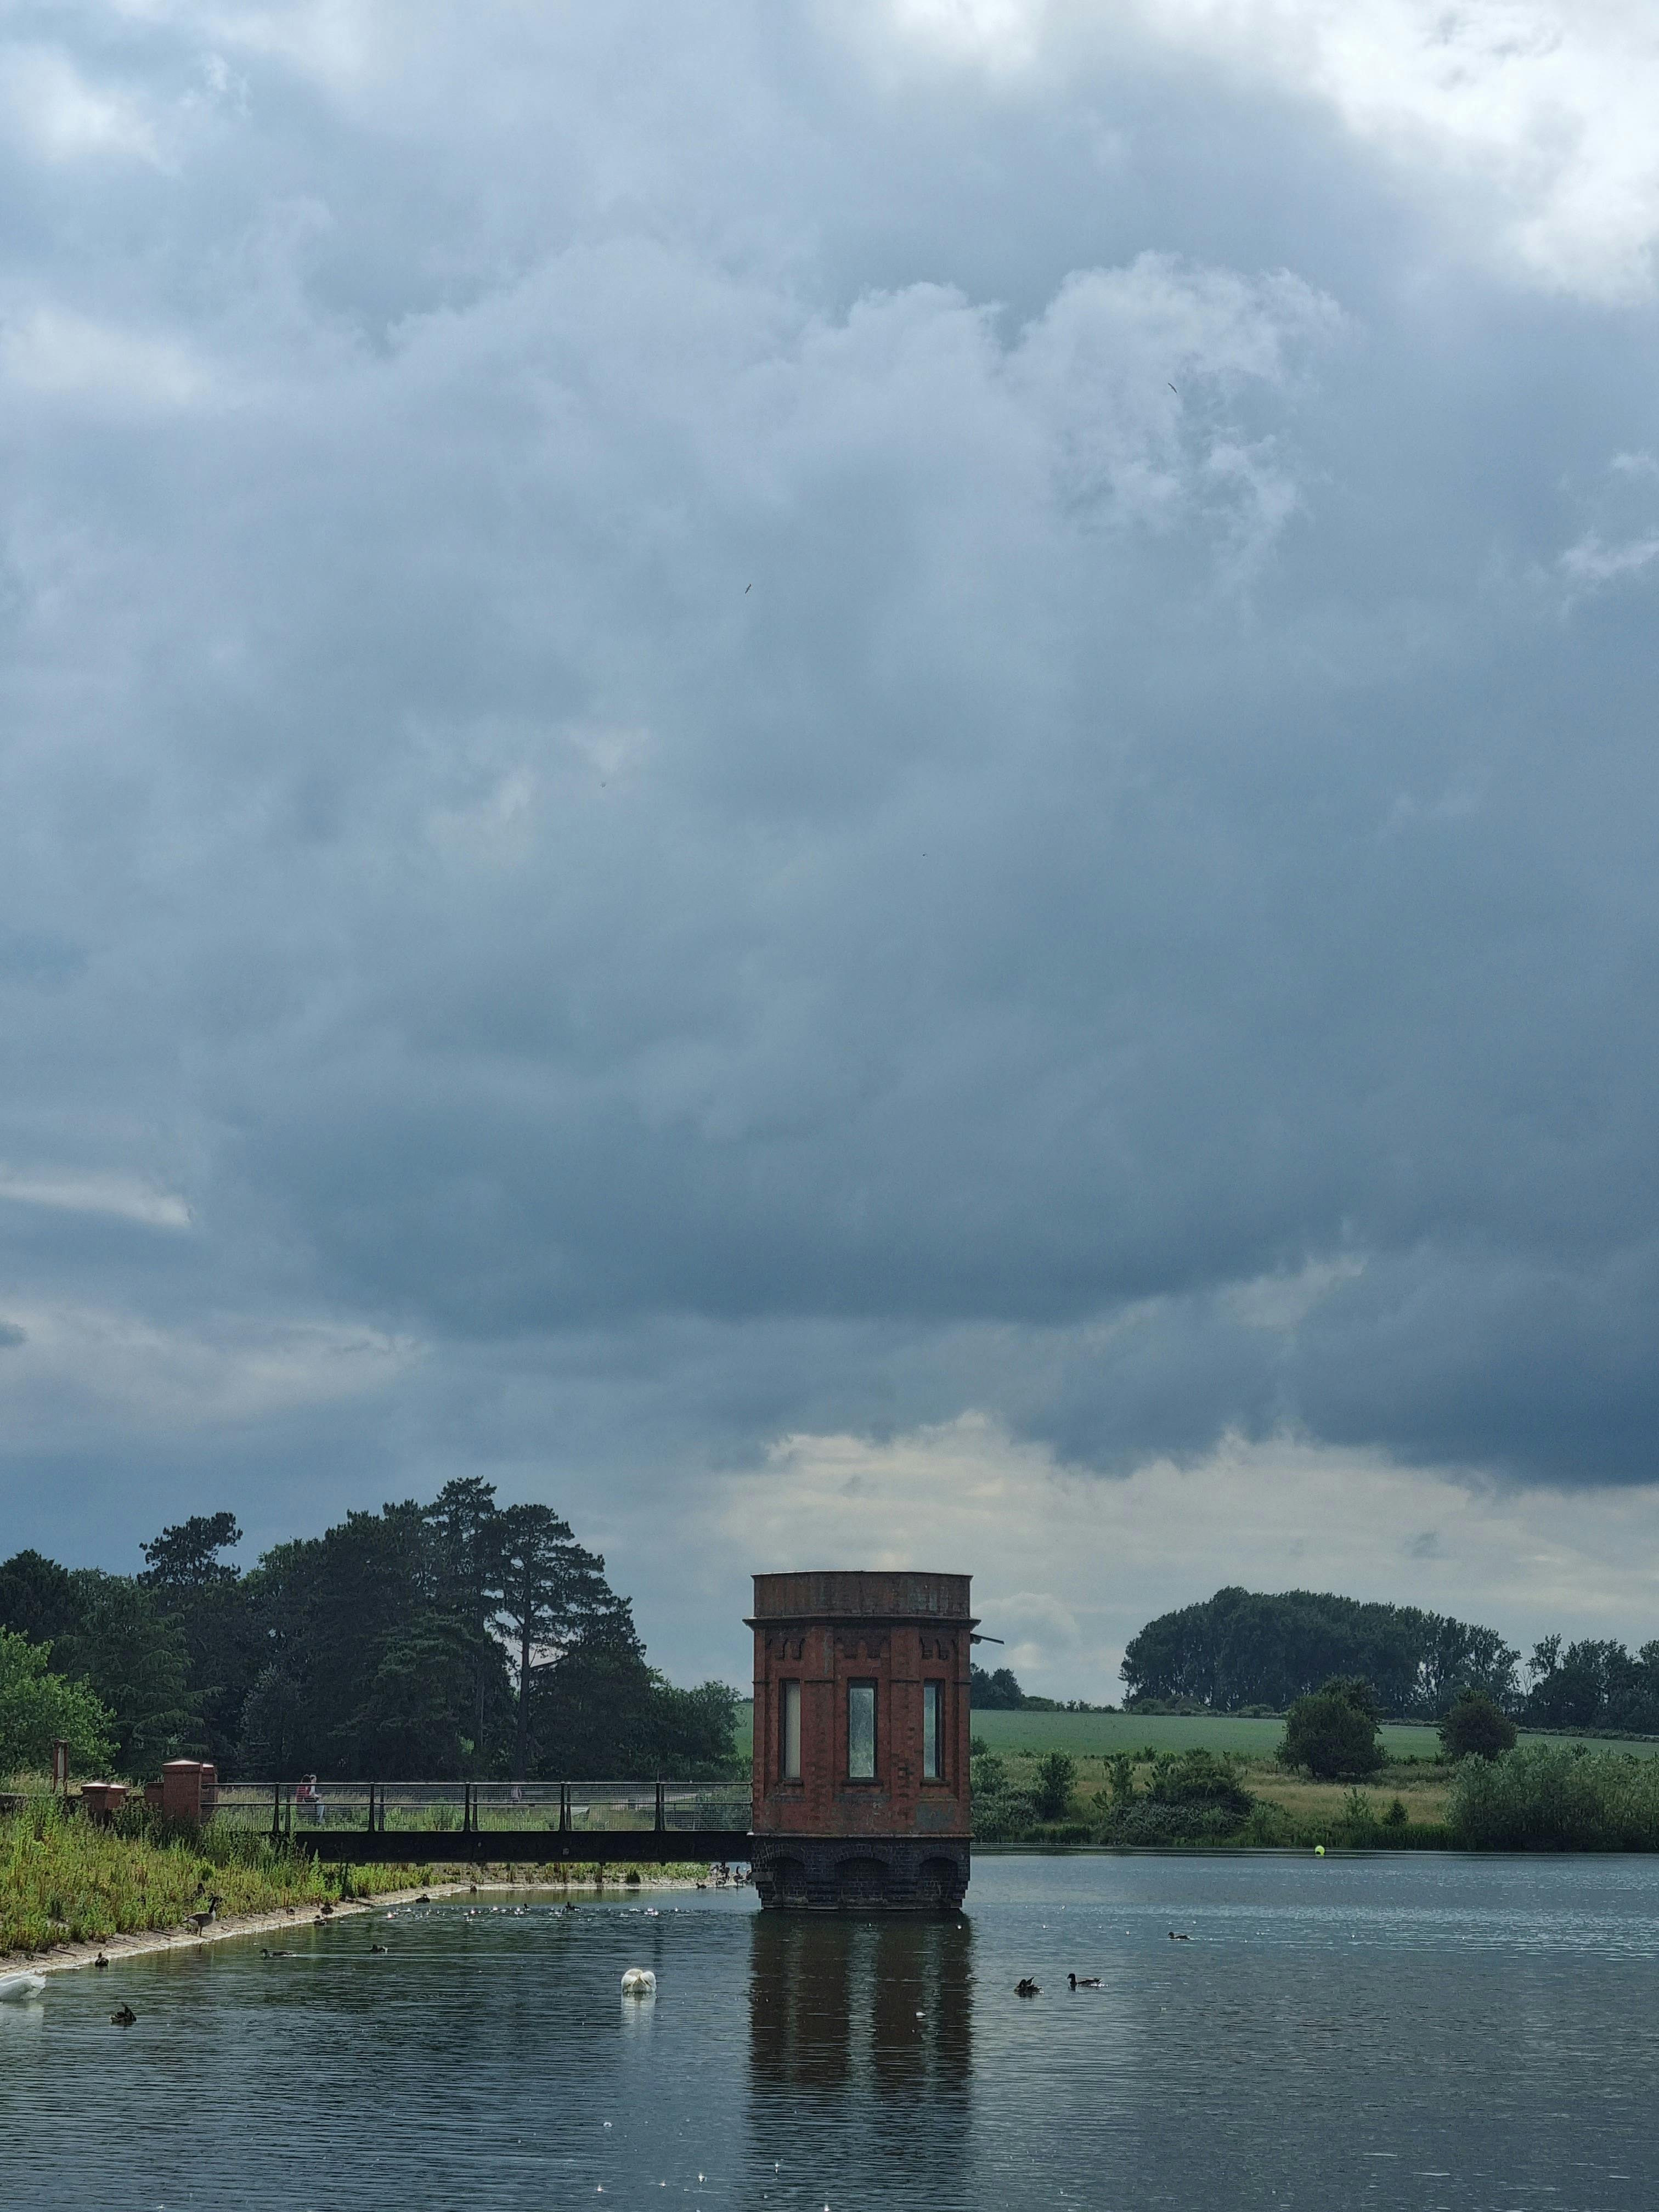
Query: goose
[[125, 2018], [1085, 1982], [199, 1921], [639, 1982], [16, 1987], [1028, 1988], [101, 1960], [1173, 1938], [377, 1950]]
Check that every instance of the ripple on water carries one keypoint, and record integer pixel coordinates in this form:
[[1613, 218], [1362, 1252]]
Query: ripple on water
[[1413, 2032]]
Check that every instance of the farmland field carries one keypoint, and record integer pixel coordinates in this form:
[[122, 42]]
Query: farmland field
[[1098, 1735]]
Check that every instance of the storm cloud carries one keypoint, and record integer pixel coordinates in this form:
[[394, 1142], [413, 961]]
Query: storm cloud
[[755, 723]]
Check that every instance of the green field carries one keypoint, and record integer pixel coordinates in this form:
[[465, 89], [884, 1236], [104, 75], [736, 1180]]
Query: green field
[[1098, 1735]]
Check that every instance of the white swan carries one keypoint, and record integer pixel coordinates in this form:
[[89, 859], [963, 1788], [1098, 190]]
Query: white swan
[[639, 1982], [13, 1987]]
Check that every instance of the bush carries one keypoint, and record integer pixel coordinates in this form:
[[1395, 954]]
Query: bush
[[36, 1706], [1196, 1798], [1556, 1797], [1003, 1816], [1056, 1776], [1333, 1734], [1199, 1777], [1475, 1728]]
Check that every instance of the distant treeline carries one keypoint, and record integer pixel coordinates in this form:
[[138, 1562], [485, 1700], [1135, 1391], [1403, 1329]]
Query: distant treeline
[[1242, 1648], [999, 1691], [422, 1641]]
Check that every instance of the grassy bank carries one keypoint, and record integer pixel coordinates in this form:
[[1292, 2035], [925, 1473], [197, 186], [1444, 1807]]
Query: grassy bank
[[1404, 1803], [63, 1880]]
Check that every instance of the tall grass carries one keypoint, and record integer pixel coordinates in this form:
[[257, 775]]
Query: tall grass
[[63, 1879], [1553, 1796]]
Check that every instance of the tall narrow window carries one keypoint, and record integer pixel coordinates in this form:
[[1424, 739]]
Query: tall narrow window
[[861, 1731], [932, 1730], [789, 1743]]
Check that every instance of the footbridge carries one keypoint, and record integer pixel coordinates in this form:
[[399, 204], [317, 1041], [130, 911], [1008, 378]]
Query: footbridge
[[534, 1823]]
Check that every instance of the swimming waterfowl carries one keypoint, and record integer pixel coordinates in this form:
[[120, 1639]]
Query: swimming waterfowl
[[377, 1949], [125, 2018], [639, 1982], [101, 1960], [1028, 1988], [1083, 1982], [1173, 1938]]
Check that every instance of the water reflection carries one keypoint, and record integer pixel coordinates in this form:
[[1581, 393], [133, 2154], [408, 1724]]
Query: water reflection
[[870, 2020]]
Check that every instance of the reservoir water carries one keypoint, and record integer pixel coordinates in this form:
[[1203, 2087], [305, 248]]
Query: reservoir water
[[1420, 2030]]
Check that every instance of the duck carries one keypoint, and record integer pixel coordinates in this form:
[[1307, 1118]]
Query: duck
[[200, 1921], [639, 1982], [125, 2018], [1173, 1938], [16, 1987], [1028, 1988], [1084, 1981]]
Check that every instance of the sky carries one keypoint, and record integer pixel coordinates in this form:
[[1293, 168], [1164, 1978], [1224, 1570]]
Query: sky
[[859, 783]]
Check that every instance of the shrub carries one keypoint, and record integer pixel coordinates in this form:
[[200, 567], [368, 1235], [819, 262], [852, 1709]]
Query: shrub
[[1199, 1777], [1194, 1798], [1552, 1796], [36, 1705], [1475, 1728], [1056, 1776], [1333, 1732]]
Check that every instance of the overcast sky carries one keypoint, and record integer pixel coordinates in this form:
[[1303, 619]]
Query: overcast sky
[[860, 781]]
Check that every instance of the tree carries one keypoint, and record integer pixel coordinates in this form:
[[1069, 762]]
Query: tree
[[994, 1693], [37, 1598], [1056, 1776], [466, 1585], [186, 1558], [1247, 1648], [37, 1706], [132, 1655], [213, 1607], [1475, 1728], [1333, 1732], [554, 1595]]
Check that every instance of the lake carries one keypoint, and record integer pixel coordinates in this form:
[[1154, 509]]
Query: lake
[[1425, 2030]]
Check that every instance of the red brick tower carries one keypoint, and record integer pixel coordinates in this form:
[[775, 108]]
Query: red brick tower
[[861, 1730]]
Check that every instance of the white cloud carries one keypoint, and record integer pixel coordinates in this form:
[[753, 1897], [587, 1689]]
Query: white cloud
[[50, 350], [50, 107], [1525, 123], [124, 1197], [1592, 561], [1069, 1566], [83, 1375]]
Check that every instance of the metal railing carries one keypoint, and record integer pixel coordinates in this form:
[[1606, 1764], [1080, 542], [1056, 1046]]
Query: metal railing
[[440, 1809]]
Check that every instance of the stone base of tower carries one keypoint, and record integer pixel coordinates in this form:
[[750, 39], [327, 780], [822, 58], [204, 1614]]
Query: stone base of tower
[[860, 1873]]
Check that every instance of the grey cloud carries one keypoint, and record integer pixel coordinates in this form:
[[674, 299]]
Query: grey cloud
[[649, 748]]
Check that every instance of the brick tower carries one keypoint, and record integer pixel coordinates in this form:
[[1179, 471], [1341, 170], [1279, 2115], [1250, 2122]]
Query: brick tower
[[861, 1793]]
